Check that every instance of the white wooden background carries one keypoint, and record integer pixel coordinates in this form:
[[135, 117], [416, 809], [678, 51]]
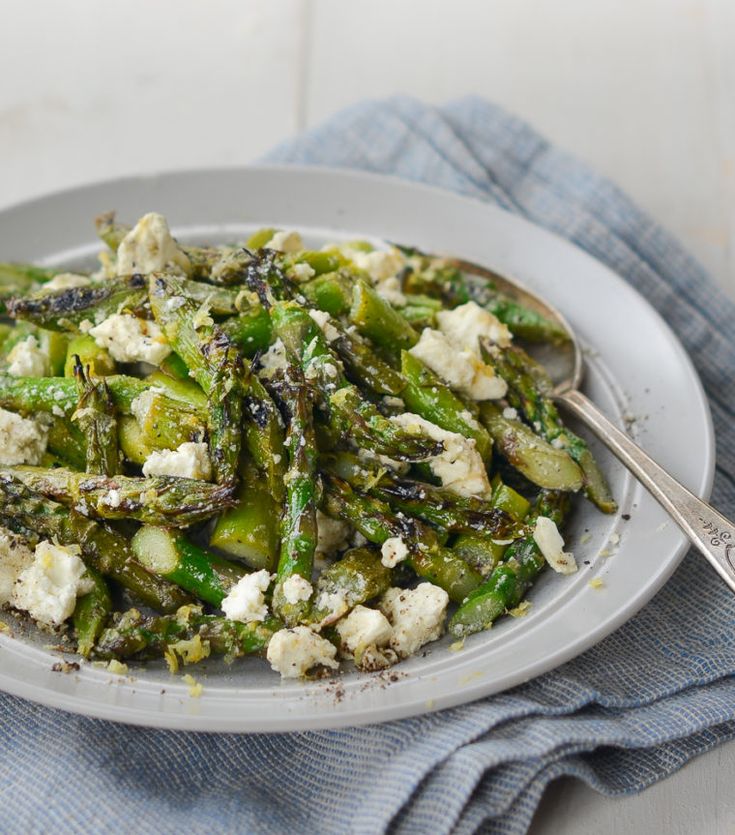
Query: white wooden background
[[644, 90]]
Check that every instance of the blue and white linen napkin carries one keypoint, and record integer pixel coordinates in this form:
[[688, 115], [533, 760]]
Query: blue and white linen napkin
[[630, 711]]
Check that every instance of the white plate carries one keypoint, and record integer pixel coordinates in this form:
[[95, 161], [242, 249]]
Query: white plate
[[636, 367]]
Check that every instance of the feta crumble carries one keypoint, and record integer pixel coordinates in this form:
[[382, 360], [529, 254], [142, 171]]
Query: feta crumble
[[26, 359], [15, 556], [546, 535], [296, 589], [334, 604], [246, 600], [467, 324], [379, 264], [273, 360], [22, 440], [130, 339], [149, 247], [364, 635], [416, 615], [323, 319], [332, 534], [459, 466], [293, 652], [286, 242], [460, 368], [390, 290], [189, 460], [394, 550], [302, 272], [48, 588], [363, 627], [65, 281]]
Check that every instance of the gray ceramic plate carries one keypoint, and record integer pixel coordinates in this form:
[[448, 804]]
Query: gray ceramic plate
[[637, 370]]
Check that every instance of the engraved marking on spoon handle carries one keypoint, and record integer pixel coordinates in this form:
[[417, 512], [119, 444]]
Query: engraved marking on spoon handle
[[709, 531]]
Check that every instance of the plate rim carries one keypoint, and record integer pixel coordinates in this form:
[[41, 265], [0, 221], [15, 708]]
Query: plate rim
[[74, 703]]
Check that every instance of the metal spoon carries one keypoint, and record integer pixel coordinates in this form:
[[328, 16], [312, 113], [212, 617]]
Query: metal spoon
[[709, 531]]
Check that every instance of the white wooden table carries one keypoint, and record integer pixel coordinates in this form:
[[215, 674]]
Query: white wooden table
[[641, 89]]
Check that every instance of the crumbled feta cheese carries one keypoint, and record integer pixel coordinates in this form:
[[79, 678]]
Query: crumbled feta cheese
[[302, 272], [390, 290], [364, 628], [286, 242], [394, 550], [459, 466], [293, 652], [273, 360], [85, 326], [202, 318], [49, 587], [460, 368], [510, 414], [246, 600], [334, 604], [296, 588], [417, 616], [149, 247], [64, 281], [189, 460], [323, 319], [113, 498], [379, 264], [332, 534], [467, 324], [130, 339], [15, 556], [26, 359], [22, 440], [393, 402], [546, 535], [140, 406]]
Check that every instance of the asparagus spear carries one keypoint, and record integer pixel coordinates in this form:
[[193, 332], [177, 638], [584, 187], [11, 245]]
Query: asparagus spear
[[352, 414], [215, 364], [66, 309], [358, 577], [377, 522], [540, 462], [168, 553], [135, 636], [264, 435], [441, 508], [158, 500], [364, 366], [32, 515], [298, 525], [529, 388], [509, 581], [249, 530], [29, 395], [95, 416], [427, 396], [376, 319], [90, 355], [91, 613]]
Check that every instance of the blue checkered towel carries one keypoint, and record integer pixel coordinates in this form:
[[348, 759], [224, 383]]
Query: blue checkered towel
[[627, 713]]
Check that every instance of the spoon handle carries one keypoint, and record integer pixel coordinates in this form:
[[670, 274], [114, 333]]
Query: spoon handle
[[708, 530]]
